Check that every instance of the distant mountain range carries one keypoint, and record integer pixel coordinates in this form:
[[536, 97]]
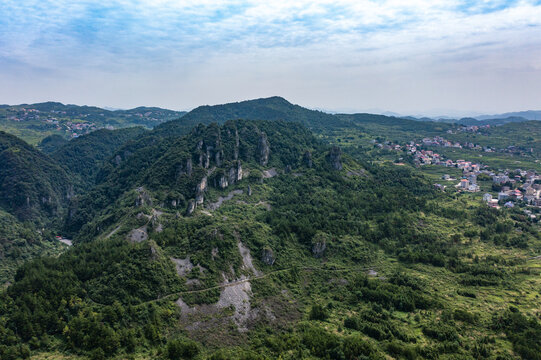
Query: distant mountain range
[[485, 119], [528, 115]]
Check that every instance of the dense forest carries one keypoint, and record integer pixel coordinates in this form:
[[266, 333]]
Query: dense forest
[[221, 238]]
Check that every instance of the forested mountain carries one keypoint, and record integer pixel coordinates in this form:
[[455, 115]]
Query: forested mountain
[[257, 239], [209, 154], [273, 108], [84, 156], [34, 195], [32, 185], [51, 143], [21, 242]]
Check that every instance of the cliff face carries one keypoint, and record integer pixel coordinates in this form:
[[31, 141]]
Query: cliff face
[[182, 169], [263, 150], [215, 156]]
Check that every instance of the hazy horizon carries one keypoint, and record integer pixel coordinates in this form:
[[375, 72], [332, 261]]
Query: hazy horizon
[[434, 114], [431, 58]]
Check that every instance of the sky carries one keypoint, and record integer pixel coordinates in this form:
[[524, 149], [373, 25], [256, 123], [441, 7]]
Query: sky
[[415, 57]]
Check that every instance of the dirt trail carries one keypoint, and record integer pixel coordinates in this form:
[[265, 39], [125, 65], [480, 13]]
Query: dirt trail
[[216, 205], [240, 281], [113, 232]]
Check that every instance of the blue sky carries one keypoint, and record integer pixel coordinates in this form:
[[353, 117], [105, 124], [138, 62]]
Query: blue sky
[[412, 57]]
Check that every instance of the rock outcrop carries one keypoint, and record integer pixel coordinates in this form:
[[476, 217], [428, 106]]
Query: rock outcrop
[[319, 243], [138, 235], [237, 144], [222, 181], [186, 168], [335, 158], [191, 207], [232, 176], [263, 150], [200, 190], [143, 198], [318, 248], [267, 256]]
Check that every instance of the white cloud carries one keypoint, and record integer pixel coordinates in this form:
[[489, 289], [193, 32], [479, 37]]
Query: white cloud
[[338, 40]]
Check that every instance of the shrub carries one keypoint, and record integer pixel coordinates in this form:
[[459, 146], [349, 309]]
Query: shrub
[[179, 349], [318, 313]]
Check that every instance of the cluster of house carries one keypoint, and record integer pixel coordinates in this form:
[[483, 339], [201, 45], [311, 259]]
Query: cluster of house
[[527, 183], [25, 114], [78, 129], [386, 145], [469, 183], [470, 128], [74, 129], [529, 189], [439, 141]]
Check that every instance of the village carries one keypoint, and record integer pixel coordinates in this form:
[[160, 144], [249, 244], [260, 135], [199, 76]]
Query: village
[[75, 121], [54, 119], [510, 187]]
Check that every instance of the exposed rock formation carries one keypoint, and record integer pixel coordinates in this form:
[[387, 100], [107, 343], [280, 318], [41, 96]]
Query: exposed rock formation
[[200, 190], [335, 158], [319, 243], [267, 174], [186, 168], [183, 266], [221, 199], [143, 198], [235, 173], [267, 256], [222, 181], [247, 263], [263, 150], [138, 235], [237, 143], [318, 248], [206, 159], [191, 207]]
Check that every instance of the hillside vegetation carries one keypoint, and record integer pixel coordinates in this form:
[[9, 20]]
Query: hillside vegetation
[[34, 122], [257, 239]]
